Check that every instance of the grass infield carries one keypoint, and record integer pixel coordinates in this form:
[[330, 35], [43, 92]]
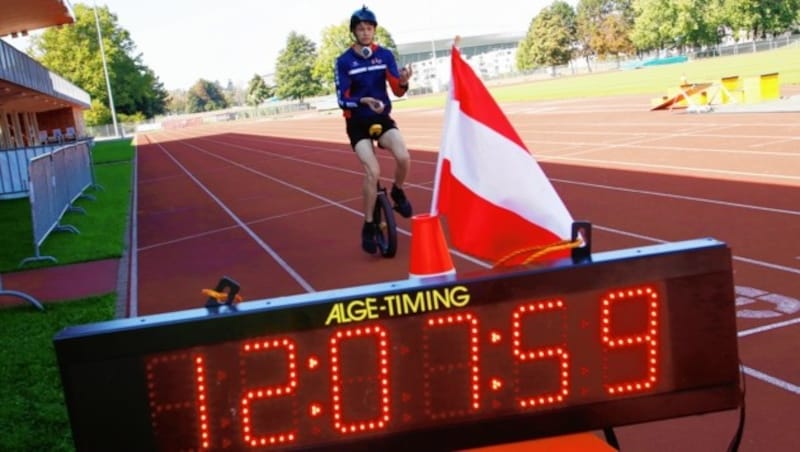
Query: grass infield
[[654, 80]]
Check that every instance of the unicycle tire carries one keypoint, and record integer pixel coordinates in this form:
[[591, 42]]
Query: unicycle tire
[[383, 216]]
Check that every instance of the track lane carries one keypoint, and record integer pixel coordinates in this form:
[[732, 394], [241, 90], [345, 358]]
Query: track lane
[[197, 263], [669, 232], [308, 223], [758, 203]]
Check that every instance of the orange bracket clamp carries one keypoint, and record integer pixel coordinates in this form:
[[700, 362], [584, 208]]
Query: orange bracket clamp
[[218, 295]]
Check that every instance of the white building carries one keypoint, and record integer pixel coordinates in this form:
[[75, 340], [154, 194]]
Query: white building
[[489, 55]]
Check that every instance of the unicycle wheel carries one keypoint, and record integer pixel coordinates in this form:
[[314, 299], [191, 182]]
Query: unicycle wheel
[[383, 216]]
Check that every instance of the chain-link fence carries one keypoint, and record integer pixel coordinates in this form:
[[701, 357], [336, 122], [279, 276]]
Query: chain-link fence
[[435, 78], [188, 120]]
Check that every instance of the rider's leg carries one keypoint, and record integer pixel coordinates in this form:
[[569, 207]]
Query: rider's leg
[[393, 141], [372, 172]]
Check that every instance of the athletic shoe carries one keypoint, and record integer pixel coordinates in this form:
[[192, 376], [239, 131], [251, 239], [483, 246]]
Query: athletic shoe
[[368, 238], [401, 203]]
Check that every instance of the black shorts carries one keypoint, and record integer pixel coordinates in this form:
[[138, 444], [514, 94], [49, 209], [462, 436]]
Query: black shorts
[[358, 128]]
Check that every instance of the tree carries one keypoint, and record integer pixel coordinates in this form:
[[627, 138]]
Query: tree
[[603, 28], [760, 17], [74, 53], [234, 94], [98, 114], [678, 23], [524, 58], [178, 101], [294, 71], [694, 23], [257, 91], [335, 40], [205, 96], [655, 24], [550, 38]]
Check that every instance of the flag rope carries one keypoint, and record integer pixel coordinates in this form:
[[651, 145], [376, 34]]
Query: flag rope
[[220, 297], [539, 251]]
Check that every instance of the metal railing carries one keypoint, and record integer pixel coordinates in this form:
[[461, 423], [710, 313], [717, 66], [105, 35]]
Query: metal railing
[[14, 168], [55, 181]]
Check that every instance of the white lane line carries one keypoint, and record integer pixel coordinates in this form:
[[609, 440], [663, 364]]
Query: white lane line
[[684, 169], [565, 181], [767, 265], [485, 265], [612, 230], [133, 277], [736, 258], [228, 228], [761, 375], [616, 231], [323, 198], [772, 326], [300, 280], [785, 385], [681, 197], [747, 370], [537, 129]]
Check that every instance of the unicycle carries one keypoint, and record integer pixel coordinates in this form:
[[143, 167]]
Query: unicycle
[[383, 212], [383, 216]]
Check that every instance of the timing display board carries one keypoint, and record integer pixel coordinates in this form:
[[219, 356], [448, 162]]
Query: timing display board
[[624, 337]]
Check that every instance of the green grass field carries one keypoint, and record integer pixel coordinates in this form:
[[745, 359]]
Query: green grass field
[[651, 80], [33, 416]]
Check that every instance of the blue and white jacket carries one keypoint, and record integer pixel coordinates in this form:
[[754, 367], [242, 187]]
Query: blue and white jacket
[[358, 77]]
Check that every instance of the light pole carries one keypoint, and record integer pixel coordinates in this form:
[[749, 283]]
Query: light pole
[[435, 82], [105, 70]]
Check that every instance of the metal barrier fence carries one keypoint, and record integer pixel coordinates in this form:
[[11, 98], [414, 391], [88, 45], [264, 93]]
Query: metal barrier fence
[[55, 181], [14, 168]]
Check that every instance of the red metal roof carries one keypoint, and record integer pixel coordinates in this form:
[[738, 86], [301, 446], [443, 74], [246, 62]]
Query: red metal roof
[[18, 17]]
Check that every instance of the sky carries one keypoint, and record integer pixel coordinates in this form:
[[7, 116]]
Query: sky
[[221, 40]]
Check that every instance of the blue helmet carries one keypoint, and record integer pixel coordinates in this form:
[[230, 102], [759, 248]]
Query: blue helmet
[[362, 15]]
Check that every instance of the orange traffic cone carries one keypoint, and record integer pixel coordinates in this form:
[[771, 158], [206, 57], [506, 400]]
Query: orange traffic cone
[[429, 255]]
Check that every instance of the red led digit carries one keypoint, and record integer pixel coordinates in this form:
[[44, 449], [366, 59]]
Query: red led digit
[[285, 388], [619, 337], [538, 354], [165, 402], [202, 400], [359, 375], [441, 353]]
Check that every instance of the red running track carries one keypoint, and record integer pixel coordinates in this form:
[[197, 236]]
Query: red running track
[[275, 204]]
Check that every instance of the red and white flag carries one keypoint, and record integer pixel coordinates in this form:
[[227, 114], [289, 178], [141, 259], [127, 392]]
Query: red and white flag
[[495, 197]]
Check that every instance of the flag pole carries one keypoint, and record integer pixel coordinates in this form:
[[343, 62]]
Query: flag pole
[[434, 210], [105, 71]]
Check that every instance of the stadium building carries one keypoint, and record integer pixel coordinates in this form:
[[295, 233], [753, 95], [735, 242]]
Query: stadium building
[[37, 106], [40, 111], [491, 56]]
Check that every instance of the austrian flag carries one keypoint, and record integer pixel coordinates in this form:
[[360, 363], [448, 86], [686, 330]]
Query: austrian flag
[[492, 192]]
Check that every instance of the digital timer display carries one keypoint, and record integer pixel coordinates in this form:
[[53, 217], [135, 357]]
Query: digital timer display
[[515, 354]]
